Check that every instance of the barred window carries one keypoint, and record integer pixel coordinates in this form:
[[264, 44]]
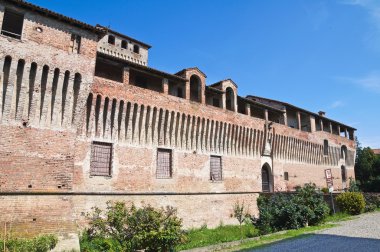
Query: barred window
[[286, 175], [164, 164], [101, 159], [216, 168], [12, 24]]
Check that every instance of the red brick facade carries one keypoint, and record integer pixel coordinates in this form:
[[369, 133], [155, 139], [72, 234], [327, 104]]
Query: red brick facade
[[57, 100]]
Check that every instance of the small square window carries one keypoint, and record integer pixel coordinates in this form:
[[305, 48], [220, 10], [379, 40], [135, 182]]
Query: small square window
[[136, 49], [101, 159], [111, 39], [12, 24], [216, 168], [124, 44], [286, 176], [164, 164]]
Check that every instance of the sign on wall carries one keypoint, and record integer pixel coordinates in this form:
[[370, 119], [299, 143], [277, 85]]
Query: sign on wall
[[329, 178]]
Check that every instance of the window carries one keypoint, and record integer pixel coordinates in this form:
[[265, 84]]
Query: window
[[325, 147], [164, 164], [111, 39], [216, 168], [286, 176], [75, 43], [215, 102], [12, 24], [109, 70], [124, 44], [141, 82], [195, 86], [180, 92], [101, 159], [136, 49]]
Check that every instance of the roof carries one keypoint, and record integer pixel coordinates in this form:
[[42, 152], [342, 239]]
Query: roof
[[301, 109], [55, 15], [261, 104], [106, 29], [141, 67], [191, 68], [215, 90], [376, 151], [219, 82]]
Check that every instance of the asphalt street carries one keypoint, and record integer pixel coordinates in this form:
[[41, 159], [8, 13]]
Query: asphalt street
[[360, 234]]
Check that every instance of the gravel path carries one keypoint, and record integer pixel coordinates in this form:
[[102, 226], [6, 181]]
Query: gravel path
[[361, 234]]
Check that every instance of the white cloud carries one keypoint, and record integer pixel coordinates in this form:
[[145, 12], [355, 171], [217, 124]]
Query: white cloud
[[370, 81], [337, 104]]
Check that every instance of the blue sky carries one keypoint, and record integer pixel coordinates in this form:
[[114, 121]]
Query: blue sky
[[318, 55]]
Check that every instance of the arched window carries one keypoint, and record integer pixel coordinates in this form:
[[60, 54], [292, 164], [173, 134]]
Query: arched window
[[230, 99], [195, 87], [266, 178], [343, 152], [325, 147]]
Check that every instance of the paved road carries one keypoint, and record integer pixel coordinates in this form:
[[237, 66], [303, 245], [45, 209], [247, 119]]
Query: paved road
[[361, 234]]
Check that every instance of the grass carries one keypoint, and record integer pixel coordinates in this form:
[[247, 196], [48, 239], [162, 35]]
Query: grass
[[204, 236], [339, 217]]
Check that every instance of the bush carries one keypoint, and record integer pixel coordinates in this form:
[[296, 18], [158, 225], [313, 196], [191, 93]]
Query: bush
[[291, 211], [317, 208], [240, 215], [353, 186], [351, 202], [42, 243], [126, 229], [372, 201]]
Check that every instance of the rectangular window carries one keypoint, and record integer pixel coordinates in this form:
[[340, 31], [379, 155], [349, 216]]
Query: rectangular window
[[286, 176], [325, 147], [216, 168], [164, 164], [101, 159], [12, 24]]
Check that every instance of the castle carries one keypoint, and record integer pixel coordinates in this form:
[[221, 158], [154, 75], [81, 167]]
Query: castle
[[84, 120]]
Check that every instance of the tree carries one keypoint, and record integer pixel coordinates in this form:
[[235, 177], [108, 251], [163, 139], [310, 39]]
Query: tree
[[367, 168]]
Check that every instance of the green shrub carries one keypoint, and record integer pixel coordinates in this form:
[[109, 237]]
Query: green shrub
[[351, 202], [126, 229], [42, 243], [291, 211], [312, 198], [372, 201], [353, 185]]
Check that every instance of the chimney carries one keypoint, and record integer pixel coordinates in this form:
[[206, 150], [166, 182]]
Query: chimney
[[322, 113]]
